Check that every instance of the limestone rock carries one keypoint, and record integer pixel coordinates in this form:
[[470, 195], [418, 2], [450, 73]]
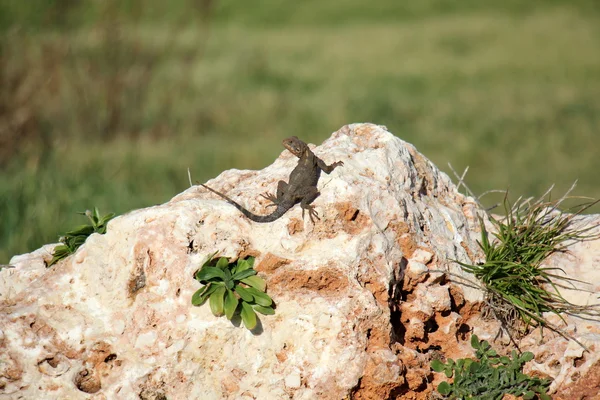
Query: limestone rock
[[361, 304]]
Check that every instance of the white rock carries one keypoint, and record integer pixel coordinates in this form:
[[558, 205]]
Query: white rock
[[293, 380]]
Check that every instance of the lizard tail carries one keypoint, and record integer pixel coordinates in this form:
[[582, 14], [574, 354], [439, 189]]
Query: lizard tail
[[254, 217]]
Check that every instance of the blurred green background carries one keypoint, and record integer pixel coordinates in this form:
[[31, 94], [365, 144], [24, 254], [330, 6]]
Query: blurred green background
[[107, 103]]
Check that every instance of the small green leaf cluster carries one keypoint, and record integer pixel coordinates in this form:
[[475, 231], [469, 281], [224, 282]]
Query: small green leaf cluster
[[490, 376], [75, 238], [233, 289]]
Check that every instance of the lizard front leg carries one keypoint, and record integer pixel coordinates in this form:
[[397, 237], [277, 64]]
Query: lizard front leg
[[328, 168]]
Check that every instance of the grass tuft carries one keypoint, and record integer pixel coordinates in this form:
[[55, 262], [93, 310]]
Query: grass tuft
[[519, 290]]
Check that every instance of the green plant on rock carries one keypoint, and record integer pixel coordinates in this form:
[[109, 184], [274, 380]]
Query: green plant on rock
[[233, 288], [519, 289], [75, 238], [490, 376]]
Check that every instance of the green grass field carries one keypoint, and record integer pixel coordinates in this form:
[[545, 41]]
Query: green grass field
[[108, 107]]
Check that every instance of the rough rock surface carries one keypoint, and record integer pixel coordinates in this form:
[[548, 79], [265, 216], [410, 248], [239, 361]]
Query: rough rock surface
[[361, 309], [575, 373]]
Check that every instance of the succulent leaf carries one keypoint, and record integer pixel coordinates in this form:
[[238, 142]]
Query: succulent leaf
[[231, 303], [248, 316], [256, 282], [264, 310], [216, 301], [208, 273], [244, 293]]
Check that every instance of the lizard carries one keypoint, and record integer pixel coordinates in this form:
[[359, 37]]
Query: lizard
[[301, 188]]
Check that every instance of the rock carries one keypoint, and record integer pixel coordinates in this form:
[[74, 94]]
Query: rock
[[362, 304], [574, 371]]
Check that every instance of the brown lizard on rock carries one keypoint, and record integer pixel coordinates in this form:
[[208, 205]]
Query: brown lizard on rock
[[301, 188]]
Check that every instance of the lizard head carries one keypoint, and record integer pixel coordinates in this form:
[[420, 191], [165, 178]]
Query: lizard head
[[295, 146]]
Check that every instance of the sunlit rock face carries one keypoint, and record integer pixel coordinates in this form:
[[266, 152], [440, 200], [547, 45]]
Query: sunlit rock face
[[362, 303]]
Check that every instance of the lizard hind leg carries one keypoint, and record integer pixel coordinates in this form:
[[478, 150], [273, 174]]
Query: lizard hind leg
[[312, 214], [308, 197], [275, 199], [282, 187], [271, 198]]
